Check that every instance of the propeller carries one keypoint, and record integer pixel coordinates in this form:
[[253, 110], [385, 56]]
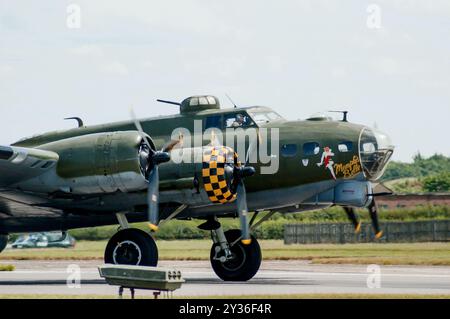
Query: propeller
[[238, 186], [373, 212], [238, 174], [149, 160], [353, 217]]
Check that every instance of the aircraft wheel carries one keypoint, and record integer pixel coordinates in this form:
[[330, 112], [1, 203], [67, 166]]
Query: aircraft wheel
[[131, 247], [245, 262], [3, 242]]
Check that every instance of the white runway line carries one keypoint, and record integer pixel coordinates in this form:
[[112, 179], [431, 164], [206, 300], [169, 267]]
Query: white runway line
[[275, 277]]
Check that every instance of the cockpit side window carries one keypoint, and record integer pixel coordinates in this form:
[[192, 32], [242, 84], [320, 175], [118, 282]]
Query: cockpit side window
[[239, 119], [311, 148], [263, 117]]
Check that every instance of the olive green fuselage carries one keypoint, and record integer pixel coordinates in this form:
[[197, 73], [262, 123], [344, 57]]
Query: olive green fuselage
[[313, 157], [291, 170]]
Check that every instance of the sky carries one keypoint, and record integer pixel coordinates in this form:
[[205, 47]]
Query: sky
[[386, 62]]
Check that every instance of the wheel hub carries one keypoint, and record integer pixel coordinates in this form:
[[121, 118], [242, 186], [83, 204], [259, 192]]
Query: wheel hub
[[236, 260], [127, 253]]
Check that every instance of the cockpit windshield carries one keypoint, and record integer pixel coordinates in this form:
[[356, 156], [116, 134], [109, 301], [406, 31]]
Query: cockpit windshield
[[375, 149], [263, 117]]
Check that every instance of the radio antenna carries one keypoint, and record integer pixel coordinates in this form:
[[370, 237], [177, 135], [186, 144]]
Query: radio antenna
[[79, 120], [344, 113], [234, 104]]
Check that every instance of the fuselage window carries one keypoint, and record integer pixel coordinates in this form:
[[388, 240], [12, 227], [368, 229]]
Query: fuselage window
[[311, 148], [213, 121], [345, 147], [289, 150], [368, 147]]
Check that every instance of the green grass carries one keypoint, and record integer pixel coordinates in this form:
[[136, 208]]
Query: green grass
[[272, 228], [383, 254], [290, 296], [6, 267]]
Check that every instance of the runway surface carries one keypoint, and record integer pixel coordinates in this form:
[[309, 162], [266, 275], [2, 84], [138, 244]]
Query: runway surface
[[274, 277]]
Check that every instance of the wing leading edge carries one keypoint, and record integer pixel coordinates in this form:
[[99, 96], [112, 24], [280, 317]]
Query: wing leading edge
[[18, 164]]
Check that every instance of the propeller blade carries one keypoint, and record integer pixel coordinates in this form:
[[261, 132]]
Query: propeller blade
[[250, 151], [243, 213], [150, 159], [138, 126], [353, 217], [373, 212], [153, 198], [170, 145]]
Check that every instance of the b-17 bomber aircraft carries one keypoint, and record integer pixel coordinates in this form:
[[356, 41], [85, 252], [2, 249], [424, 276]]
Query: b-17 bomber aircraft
[[204, 163]]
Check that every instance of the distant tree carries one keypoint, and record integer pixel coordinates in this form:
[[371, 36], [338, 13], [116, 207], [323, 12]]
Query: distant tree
[[418, 157], [420, 167], [437, 183], [396, 170]]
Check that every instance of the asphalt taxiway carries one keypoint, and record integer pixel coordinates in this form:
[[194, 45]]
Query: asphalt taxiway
[[274, 277]]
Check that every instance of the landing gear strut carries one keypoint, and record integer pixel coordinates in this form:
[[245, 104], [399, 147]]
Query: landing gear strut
[[231, 260]]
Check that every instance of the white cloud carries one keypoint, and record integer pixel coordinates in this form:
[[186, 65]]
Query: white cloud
[[385, 66], [319, 52], [6, 70], [115, 68], [274, 63], [148, 64], [87, 51], [338, 72]]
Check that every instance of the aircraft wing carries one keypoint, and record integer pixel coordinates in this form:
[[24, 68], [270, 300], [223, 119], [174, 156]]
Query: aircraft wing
[[19, 164]]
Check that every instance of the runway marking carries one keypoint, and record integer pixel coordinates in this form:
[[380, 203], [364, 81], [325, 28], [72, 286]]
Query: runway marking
[[288, 274], [306, 274], [44, 272]]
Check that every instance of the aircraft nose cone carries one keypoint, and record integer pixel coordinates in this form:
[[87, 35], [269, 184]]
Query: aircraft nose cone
[[376, 149]]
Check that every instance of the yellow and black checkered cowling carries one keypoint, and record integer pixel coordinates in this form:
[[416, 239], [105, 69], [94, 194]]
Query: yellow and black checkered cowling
[[215, 158]]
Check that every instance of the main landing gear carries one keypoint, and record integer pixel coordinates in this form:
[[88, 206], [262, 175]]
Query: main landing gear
[[232, 260], [131, 246]]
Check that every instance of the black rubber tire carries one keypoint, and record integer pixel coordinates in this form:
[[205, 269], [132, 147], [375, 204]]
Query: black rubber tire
[[246, 263], [126, 245], [3, 241]]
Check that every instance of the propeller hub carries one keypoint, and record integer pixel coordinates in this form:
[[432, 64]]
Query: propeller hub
[[245, 171], [160, 157]]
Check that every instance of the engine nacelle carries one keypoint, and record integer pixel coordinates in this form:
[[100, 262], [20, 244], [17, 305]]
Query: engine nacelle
[[98, 163], [208, 169]]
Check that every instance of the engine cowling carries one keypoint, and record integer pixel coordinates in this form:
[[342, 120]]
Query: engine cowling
[[100, 163], [217, 173], [209, 169]]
